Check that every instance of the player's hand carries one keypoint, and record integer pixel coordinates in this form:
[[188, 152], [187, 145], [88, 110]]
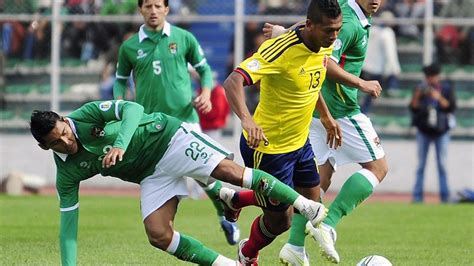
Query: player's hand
[[333, 132], [112, 156], [271, 31], [203, 101], [255, 133], [371, 87]]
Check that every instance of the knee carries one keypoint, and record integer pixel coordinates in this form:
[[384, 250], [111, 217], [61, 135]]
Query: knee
[[160, 237], [381, 170], [229, 172]]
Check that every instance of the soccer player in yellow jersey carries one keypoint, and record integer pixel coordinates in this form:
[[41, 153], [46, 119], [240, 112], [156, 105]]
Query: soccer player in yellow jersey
[[290, 69]]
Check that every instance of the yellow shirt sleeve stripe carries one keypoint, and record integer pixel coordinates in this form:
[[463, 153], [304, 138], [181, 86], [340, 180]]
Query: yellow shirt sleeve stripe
[[267, 52], [277, 42], [284, 49]]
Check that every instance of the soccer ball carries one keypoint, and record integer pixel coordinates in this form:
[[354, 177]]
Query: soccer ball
[[374, 260]]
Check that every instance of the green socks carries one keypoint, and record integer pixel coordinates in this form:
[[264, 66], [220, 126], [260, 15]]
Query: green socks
[[269, 186], [355, 190], [297, 230], [212, 191], [189, 249]]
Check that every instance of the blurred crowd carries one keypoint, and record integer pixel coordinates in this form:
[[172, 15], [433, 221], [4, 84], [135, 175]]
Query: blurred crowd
[[88, 40]]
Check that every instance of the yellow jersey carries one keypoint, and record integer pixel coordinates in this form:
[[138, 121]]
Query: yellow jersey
[[290, 76]]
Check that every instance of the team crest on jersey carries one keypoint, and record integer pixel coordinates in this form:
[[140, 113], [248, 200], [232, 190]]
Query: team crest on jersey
[[325, 61], [337, 44], [173, 47], [302, 71], [105, 106], [97, 132], [141, 54], [377, 142], [253, 65]]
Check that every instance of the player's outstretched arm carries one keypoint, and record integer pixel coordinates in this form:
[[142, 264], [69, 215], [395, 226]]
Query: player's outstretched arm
[[339, 75]]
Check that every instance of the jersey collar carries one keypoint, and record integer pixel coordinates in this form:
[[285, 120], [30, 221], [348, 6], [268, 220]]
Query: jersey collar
[[63, 156], [360, 14], [142, 34]]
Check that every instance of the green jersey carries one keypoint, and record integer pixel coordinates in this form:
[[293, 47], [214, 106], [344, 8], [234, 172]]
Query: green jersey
[[159, 63], [98, 127], [349, 52]]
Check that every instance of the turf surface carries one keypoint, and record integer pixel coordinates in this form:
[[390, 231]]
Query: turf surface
[[111, 232]]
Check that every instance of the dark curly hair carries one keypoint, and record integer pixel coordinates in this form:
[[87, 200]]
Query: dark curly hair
[[140, 3], [319, 8], [41, 124]]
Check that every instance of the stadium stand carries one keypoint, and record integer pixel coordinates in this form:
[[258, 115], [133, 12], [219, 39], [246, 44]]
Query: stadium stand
[[25, 84]]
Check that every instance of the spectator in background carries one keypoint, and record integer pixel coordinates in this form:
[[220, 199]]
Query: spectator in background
[[452, 41], [432, 105], [411, 9], [381, 61], [37, 42], [13, 32]]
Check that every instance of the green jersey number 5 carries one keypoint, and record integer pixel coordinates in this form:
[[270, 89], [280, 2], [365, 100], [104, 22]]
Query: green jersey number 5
[[157, 67]]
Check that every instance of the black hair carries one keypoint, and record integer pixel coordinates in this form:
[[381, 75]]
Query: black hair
[[432, 70], [140, 3], [319, 8], [41, 124]]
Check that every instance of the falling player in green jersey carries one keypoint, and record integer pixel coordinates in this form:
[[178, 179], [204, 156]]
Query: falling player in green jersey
[[158, 57], [116, 138]]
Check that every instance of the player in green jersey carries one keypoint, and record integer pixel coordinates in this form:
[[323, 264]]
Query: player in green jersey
[[158, 56], [116, 138], [361, 144]]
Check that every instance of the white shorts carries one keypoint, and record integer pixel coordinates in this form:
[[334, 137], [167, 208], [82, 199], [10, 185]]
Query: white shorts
[[189, 154], [360, 143]]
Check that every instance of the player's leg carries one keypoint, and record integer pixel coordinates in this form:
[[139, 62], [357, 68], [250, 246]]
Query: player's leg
[[230, 228], [264, 229], [441, 145], [423, 145], [362, 145], [198, 156], [159, 200], [306, 181], [322, 154], [212, 188]]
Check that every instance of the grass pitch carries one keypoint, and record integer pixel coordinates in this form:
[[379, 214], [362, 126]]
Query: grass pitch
[[111, 232]]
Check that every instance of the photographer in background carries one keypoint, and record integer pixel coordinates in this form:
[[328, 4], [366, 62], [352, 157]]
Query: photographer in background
[[432, 105]]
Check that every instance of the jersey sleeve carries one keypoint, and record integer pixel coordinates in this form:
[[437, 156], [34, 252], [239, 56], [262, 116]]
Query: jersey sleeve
[[68, 193], [343, 42], [124, 68], [102, 112], [195, 56], [261, 63]]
